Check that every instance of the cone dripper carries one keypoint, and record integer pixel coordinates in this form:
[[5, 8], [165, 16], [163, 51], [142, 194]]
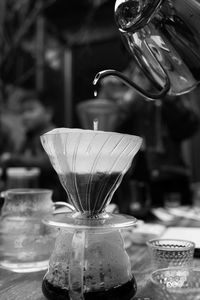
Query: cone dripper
[[90, 164]]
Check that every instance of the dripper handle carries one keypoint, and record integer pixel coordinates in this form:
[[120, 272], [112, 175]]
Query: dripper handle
[[64, 207], [76, 265]]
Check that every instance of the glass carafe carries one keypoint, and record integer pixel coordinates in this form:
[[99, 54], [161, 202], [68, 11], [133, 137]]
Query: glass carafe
[[92, 264], [89, 260], [25, 241]]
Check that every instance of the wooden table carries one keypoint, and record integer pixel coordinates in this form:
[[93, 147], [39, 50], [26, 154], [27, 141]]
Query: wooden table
[[15, 286]]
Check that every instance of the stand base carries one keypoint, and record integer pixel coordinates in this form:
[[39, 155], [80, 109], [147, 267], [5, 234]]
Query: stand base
[[75, 220]]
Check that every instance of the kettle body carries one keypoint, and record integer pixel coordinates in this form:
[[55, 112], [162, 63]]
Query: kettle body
[[163, 36]]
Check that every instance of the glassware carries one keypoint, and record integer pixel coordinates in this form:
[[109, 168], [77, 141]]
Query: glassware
[[171, 253], [89, 260], [25, 242], [176, 284], [159, 35], [18, 177]]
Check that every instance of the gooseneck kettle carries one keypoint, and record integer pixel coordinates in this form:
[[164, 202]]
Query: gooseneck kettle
[[163, 36]]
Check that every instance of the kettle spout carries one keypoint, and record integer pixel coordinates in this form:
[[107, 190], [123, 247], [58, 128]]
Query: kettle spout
[[131, 84]]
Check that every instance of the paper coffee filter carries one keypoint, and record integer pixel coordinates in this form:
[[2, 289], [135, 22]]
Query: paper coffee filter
[[88, 151]]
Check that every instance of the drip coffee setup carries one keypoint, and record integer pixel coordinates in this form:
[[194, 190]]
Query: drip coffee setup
[[89, 260]]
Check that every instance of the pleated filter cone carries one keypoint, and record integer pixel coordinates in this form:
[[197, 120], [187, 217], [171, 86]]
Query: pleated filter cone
[[90, 164]]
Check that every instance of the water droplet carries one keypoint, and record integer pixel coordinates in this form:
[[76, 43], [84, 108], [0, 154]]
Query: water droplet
[[95, 124]]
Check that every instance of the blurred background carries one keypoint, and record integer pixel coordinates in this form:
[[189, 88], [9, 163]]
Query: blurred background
[[50, 52]]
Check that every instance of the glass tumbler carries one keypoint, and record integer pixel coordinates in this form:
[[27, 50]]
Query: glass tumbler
[[170, 253], [176, 284]]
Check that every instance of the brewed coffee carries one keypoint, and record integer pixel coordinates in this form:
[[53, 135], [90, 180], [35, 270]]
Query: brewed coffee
[[89, 192], [122, 292]]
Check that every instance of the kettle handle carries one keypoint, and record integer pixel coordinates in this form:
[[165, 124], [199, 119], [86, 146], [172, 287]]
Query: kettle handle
[[128, 82]]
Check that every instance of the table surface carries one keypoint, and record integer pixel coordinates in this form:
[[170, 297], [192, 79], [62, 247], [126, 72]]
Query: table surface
[[14, 286]]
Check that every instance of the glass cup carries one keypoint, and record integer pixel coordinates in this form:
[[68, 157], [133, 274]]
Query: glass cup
[[170, 253], [176, 284]]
